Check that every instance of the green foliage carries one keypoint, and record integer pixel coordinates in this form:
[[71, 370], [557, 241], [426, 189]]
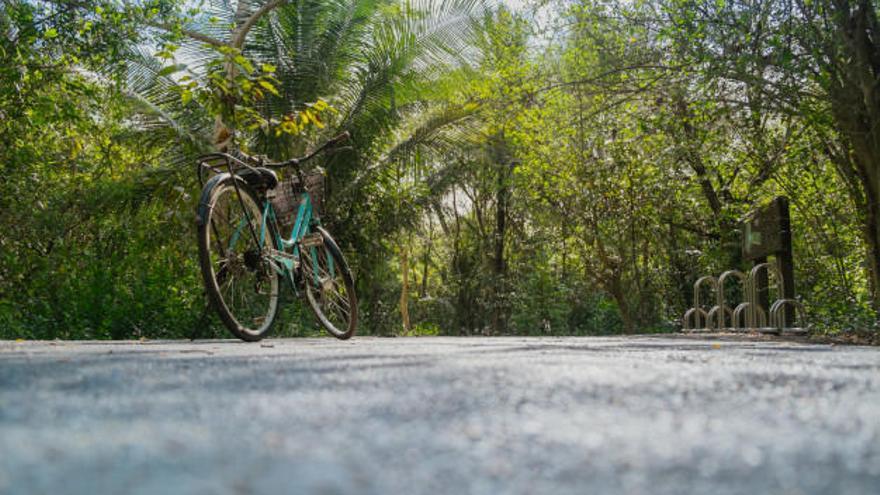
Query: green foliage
[[569, 178]]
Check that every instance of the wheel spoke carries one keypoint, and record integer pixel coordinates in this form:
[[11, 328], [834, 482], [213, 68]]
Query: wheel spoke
[[338, 301], [327, 290], [245, 283], [342, 299], [340, 311]]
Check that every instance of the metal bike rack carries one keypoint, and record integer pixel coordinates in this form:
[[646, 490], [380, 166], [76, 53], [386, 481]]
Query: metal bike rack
[[702, 318], [724, 310], [749, 315], [688, 316], [766, 232], [757, 313], [717, 316], [697, 311], [777, 316]]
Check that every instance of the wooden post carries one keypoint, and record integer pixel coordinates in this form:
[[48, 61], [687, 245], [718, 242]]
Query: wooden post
[[785, 258], [767, 232]]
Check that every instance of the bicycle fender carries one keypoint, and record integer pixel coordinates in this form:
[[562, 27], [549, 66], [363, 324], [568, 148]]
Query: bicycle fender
[[204, 200]]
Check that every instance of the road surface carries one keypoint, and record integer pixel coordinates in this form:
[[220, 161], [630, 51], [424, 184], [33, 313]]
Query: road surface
[[637, 415]]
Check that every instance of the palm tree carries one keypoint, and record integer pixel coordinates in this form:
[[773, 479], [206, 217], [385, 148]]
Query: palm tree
[[376, 62]]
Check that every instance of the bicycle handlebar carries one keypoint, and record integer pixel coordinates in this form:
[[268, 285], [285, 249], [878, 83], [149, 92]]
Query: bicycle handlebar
[[332, 142], [243, 158]]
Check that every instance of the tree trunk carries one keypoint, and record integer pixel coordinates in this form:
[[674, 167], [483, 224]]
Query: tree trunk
[[855, 99], [871, 224], [499, 265], [624, 308], [423, 292], [872, 234], [404, 290]]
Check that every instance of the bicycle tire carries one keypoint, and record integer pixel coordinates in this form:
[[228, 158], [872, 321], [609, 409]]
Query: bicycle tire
[[231, 264], [322, 291]]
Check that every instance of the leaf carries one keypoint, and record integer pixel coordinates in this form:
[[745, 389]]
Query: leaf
[[244, 63], [269, 87], [171, 69]]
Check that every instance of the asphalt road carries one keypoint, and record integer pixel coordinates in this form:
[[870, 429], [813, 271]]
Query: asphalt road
[[440, 415]]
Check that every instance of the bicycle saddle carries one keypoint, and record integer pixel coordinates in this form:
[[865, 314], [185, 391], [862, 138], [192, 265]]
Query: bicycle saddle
[[259, 177]]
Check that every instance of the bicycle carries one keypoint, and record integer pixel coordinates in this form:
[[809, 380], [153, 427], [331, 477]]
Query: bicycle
[[245, 259]]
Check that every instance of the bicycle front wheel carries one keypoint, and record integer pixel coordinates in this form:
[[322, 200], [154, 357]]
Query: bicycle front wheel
[[328, 283], [239, 278]]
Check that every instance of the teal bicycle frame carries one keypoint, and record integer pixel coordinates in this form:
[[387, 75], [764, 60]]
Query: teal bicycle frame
[[300, 251], [284, 252], [285, 264]]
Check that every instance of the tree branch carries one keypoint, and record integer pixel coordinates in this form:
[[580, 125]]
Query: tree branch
[[241, 32], [188, 32]]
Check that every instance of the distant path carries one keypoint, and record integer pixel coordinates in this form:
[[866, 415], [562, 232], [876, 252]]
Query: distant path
[[583, 416]]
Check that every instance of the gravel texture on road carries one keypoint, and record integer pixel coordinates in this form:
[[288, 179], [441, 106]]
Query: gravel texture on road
[[634, 415]]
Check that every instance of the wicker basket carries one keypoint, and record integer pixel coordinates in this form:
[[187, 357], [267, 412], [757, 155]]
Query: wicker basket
[[286, 198]]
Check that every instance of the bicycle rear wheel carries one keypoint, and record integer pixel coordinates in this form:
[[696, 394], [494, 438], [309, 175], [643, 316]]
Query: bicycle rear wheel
[[328, 283], [239, 278]]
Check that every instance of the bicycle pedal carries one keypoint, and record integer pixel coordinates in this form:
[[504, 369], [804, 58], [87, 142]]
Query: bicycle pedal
[[312, 240]]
